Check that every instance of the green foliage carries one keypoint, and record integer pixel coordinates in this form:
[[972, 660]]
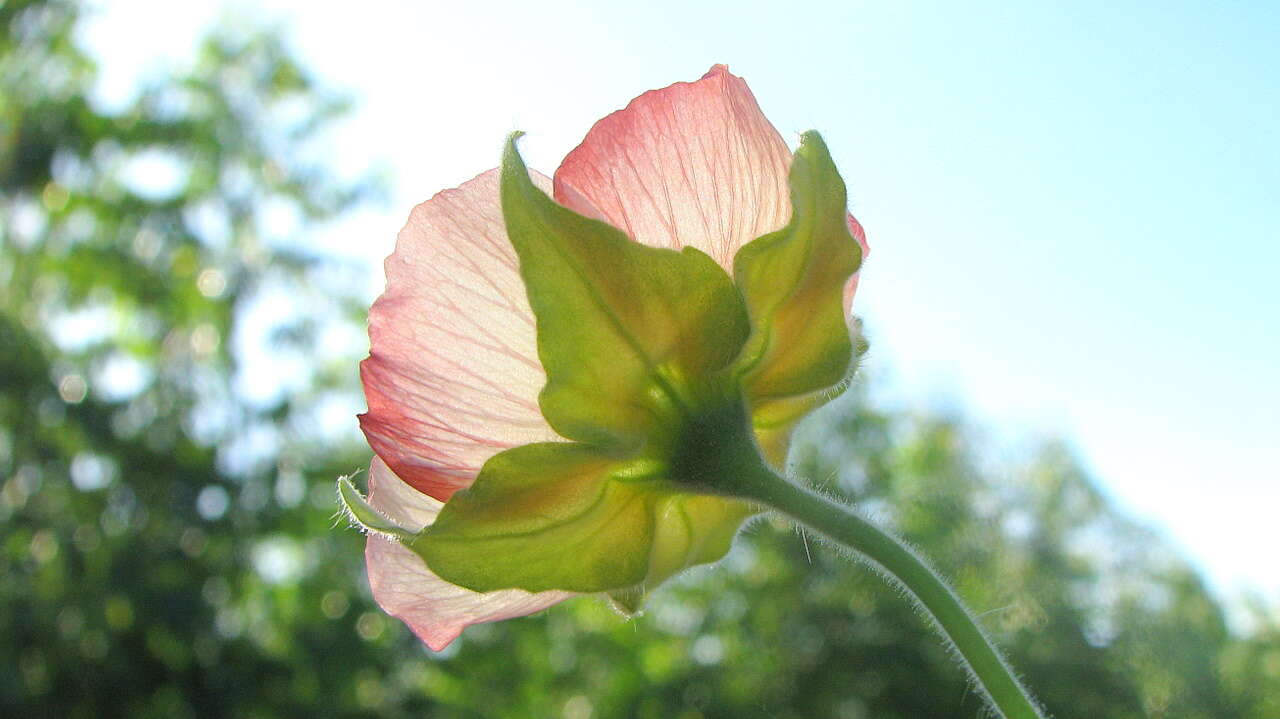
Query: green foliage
[[163, 514], [167, 540]]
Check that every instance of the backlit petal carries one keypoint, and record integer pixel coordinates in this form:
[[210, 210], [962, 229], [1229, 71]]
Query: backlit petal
[[453, 375], [402, 585], [859, 234], [694, 164]]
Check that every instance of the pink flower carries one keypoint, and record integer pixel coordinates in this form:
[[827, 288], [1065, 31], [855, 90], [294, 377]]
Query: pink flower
[[453, 375]]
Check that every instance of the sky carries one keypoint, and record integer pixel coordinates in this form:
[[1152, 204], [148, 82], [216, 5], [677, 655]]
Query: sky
[[1072, 207]]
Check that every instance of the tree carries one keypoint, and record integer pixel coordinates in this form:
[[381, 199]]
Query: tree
[[154, 497]]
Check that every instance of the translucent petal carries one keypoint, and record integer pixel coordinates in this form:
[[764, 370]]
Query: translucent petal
[[434, 609], [453, 375]]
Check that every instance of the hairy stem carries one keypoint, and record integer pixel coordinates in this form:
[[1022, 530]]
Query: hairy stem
[[993, 676]]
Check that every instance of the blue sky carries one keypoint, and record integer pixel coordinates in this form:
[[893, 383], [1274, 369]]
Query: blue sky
[[1072, 207]]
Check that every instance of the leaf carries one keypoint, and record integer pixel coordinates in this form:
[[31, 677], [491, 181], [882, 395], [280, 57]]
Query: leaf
[[793, 283], [628, 334], [546, 516]]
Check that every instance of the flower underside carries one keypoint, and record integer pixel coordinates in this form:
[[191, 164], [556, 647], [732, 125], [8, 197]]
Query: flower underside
[[666, 375]]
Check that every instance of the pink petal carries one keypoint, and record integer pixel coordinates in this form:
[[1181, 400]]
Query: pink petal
[[855, 229], [453, 374], [434, 609], [691, 164]]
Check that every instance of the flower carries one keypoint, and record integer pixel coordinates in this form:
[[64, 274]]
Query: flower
[[459, 374]]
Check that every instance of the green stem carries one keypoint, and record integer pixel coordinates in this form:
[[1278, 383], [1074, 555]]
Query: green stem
[[992, 675]]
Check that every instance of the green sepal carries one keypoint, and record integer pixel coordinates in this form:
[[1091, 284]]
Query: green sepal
[[544, 516], [773, 421], [629, 600], [364, 515], [566, 516], [799, 353], [626, 332], [690, 529]]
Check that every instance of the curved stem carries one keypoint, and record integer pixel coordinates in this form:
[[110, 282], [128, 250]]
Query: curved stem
[[990, 672]]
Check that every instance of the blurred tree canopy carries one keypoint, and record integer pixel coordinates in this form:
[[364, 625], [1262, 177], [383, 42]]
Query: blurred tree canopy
[[170, 349]]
